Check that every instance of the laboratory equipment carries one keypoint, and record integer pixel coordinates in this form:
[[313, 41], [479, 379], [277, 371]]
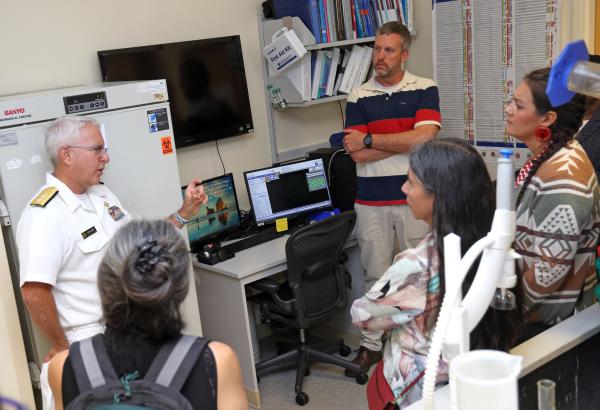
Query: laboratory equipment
[[572, 73], [496, 269], [486, 376], [546, 389]]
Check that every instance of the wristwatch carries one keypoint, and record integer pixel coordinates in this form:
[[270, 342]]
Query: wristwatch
[[368, 140]]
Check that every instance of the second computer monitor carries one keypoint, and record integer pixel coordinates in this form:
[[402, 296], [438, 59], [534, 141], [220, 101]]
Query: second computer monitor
[[219, 216], [287, 190]]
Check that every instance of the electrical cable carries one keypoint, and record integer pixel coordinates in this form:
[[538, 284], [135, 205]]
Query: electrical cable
[[342, 114], [220, 157], [329, 166]]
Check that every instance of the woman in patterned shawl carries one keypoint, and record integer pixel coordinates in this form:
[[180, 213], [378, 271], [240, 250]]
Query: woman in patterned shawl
[[449, 188], [557, 206]]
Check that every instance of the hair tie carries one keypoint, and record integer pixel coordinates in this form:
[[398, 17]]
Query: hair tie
[[149, 255]]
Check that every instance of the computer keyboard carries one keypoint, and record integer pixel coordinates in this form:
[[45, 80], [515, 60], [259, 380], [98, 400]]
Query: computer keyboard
[[254, 240]]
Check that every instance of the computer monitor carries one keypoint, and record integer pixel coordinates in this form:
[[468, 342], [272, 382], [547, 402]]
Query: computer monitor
[[287, 190], [219, 216]]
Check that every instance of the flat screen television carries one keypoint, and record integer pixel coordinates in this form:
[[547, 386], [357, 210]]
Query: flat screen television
[[205, 79]]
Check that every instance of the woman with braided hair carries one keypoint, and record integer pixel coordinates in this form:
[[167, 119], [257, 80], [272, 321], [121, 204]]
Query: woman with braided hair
[[143, 278], [558, 215]]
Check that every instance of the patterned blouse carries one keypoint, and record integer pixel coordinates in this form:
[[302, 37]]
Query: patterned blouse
[[558, 222], [404, 301]]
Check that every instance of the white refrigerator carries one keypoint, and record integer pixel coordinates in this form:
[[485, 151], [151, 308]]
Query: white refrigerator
[[142, 172]]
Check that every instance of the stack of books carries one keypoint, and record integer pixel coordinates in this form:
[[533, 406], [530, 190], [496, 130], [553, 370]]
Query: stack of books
[[338, 71], [337, 20]]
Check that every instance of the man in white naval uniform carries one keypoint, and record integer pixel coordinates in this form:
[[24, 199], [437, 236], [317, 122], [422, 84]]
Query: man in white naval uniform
[[63, 232]]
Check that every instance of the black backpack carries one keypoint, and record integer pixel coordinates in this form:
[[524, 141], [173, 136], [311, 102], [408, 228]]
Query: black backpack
[[101, 389]]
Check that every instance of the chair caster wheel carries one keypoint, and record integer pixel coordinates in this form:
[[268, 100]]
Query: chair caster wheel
[[345, 350], [361, 378], [301, 399]]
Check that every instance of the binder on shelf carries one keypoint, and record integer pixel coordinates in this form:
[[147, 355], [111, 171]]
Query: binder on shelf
[[363, 68], [313, 12], [317, 73], [322, 20], [335, 61], [347, 15], [325, 73], [330, 15], [340, 75], [339, 20], [352, 69]]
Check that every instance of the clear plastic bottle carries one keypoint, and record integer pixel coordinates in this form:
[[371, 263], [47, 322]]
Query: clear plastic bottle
[[585, 79], [546, 389]]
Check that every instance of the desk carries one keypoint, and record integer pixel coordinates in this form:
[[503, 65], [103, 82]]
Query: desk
[[222, 299]]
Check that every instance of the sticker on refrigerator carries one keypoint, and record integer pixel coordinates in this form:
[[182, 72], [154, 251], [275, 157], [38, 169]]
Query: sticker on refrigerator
[[158, 120], [9, 138], [167, 145], [14, 163]]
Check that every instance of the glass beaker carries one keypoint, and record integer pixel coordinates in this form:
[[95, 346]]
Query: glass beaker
[[546, 394]]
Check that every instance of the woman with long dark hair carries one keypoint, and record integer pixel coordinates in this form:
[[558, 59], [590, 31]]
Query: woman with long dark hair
[[143, 279], [449, 188], [558, 206]]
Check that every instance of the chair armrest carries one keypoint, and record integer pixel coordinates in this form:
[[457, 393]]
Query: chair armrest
[[266, 285]]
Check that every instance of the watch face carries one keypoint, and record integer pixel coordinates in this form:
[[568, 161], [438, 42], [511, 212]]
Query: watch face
[[368, 140]]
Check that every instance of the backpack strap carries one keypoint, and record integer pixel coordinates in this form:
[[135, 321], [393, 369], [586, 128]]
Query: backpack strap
[[90, 363], [175, 360]]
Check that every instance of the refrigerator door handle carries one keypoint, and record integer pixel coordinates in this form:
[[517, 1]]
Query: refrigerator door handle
[[4, 215]]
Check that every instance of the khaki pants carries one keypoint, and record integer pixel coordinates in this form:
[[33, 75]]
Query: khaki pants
[[380, 231]]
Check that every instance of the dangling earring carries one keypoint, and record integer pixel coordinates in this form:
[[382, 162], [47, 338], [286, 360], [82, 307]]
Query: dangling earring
[[543, 133]]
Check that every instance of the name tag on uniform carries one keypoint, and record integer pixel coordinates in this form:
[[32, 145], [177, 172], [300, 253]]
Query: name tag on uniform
[[88, 232], [115, 212]]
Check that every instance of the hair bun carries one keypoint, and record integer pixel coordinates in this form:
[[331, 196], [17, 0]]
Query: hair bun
[[149, 254], [148, 280]]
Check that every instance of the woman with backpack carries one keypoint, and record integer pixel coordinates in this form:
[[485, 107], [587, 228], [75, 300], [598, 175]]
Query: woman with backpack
[[143, 279]]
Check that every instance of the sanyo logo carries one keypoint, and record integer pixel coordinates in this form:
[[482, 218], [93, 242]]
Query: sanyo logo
[[14, 111]]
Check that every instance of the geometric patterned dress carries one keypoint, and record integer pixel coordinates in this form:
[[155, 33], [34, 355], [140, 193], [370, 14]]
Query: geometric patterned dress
[[558, 223]]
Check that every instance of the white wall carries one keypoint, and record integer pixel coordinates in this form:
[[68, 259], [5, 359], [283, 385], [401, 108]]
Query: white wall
[[53, 44]]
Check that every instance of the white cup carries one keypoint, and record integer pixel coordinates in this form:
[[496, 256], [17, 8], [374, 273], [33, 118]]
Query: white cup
[[486, 379]]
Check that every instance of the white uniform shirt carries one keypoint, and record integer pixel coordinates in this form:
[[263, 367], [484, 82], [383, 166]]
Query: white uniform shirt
[[62, 244]]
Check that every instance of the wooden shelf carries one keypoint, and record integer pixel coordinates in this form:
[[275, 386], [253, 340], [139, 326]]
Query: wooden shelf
[[318, 101]]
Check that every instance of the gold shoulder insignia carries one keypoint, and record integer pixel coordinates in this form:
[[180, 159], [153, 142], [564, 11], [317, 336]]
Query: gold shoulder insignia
[[44, 197]]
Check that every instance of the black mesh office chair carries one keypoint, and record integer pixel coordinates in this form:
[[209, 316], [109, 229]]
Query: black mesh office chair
[[315, 290]]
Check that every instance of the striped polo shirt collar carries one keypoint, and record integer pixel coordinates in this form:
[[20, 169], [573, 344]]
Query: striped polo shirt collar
[[373, 86]]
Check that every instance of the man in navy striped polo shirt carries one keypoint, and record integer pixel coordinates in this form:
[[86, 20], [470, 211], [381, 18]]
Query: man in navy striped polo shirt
[[385, 117]]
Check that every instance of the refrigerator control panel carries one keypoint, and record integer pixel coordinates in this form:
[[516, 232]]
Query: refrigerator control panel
[[85, 102]]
